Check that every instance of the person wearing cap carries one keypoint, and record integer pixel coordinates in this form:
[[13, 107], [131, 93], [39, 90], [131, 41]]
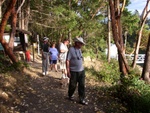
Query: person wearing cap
[[45, 56], [75, 70]]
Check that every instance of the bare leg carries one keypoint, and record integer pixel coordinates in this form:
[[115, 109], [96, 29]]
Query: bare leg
[[55, 67], [51, 66]]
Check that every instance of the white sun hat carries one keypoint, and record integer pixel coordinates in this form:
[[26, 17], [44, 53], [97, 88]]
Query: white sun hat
[[45, 39], [79, 39]]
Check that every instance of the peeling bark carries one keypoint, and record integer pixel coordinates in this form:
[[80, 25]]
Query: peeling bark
[[6, 15], [117, 35], [146, 67], [143, 18]]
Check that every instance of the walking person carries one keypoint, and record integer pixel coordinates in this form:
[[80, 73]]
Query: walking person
[[53, 57], [45, 55], [75, 71], [63, 54]]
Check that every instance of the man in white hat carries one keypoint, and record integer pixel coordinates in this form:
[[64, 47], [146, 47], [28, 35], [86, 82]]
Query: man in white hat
[[75, 70], [45, 56]]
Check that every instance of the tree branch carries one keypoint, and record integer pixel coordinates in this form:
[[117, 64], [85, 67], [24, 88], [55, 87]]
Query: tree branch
[[144, 10], [47, 26], [1, 2], [123, 5], [20, 6], [36, 11]]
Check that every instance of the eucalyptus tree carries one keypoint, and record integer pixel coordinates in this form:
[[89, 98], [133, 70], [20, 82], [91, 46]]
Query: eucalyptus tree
[[5, 18], [1, 2], [116, 13], [125, 21], [80, 18], [92, 24], [130, 26], [14, 19], [143, 17], [109, 34], [146, 67]]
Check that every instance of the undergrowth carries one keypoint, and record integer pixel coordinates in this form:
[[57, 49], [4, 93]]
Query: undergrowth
[[108, 72], [6, 65], [136, 93], [130, 89]]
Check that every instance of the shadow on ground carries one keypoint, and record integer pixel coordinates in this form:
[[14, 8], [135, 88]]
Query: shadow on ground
[[33, 93]]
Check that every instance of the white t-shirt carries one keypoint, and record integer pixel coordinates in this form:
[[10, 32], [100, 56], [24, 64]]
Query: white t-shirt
[[63, 55]]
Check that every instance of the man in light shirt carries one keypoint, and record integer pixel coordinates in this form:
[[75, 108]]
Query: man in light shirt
[[75, 70], [63, 54]]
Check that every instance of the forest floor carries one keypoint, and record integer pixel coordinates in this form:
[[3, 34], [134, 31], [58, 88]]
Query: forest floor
[[30, 92]]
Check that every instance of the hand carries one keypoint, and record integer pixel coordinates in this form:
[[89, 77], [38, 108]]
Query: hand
[[43, 56], [69, 75]]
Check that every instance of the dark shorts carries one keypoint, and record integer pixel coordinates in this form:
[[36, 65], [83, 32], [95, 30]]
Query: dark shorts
[[53, 61]]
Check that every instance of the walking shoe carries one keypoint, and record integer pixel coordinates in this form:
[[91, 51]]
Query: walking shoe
[[71, 98], [46, 72], [83, 102], [67, 79], [43, 73], [63, 75], [66, 76]]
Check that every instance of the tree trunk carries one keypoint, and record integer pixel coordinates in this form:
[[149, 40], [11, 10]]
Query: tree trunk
[[142, 23], [13, 29], [21, 14], [27, 14], [121, 59], [109, 35], [13, 25], [117, 35], [137, 47], [146, 67], [6, 15], [0, 12]]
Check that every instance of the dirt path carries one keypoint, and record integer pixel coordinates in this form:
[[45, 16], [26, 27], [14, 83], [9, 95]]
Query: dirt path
[[45, 95]]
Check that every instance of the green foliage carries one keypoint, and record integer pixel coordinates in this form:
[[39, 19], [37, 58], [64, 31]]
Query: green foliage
[[55, 18], [148, 23], [145, 36], [109, 72], [130, 22], [6, 65], [89, 52], [136, 93], [7, 28], [129, 89], [19, 66]]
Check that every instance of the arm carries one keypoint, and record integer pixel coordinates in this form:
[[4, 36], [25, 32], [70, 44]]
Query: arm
[[63, 51], [68, 68], [62, 48], [68, 63], [42, 54], [41, 50]]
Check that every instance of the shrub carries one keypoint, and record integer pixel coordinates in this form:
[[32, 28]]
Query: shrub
[[109, 72], [136, 93], [6, 65]]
